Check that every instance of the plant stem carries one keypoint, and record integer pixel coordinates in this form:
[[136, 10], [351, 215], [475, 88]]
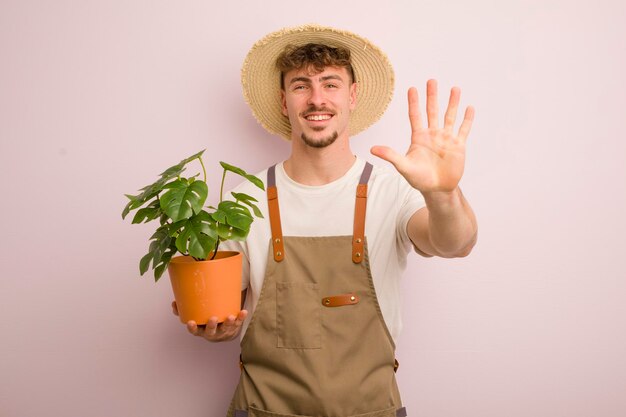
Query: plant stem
[[217, 245], [222, 186], [203, 168]]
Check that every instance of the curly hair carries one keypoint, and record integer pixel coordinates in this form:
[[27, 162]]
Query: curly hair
[[316, 56]]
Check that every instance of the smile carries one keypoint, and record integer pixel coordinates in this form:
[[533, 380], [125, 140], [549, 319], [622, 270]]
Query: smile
[[319, 117]]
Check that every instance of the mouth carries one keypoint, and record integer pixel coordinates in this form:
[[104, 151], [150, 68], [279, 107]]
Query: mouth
[[318, 117]]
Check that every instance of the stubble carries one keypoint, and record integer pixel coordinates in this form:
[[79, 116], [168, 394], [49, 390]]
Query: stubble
[[319, 143]]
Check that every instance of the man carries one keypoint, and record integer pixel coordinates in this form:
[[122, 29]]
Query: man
[[321, 276]]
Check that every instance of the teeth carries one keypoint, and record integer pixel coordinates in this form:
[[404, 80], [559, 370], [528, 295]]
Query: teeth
[[318, 117]]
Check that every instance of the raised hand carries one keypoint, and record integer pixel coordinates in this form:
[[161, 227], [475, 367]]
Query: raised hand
[[435, 159]]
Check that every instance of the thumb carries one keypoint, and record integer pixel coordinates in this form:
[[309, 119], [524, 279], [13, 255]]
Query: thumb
[[389, 155]]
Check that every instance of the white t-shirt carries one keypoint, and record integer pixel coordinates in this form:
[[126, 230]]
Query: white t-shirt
[[328, 210]]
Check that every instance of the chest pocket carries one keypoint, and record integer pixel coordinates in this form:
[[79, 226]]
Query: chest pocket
[[298, 315]]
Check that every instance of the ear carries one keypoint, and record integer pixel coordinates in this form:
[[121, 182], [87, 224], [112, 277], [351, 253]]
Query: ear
[[353, 89], [283, 103]]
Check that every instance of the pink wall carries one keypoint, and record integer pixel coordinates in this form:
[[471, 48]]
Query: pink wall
[[96, 97]]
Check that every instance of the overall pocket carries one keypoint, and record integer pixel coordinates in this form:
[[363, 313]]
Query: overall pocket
[[298, 317]]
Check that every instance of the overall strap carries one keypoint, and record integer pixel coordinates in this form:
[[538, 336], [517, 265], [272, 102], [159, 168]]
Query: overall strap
[[358, 234], [272, 203]]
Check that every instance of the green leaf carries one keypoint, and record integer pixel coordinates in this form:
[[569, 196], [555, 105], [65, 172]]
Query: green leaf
[[237, 215], [248, 200], [165, 261], [146, 214], [219, 216], [233, 214], [149, 213], [197, 236], [160, 247], [226, 232], [126, 210], [175, 170], [232, 168], [151, 191], [144, 264], [152, 188], [174, 228], [128, 206], [134, 203], [172, 172], [183, 200], [257, 211], [244, 197], [233, 220], [158, 271], [161, 241], [254, 180]]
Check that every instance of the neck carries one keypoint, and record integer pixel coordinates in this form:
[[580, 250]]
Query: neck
[[318, 166]]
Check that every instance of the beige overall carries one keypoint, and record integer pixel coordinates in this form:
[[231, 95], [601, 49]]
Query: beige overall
[[317, 344]]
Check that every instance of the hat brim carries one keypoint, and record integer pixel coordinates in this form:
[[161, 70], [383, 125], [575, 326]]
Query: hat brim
[[260, 77]]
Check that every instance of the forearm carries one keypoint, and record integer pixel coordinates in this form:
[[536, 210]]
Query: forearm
[[447, 228]]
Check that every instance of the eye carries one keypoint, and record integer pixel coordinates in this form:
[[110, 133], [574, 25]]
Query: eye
[[299, 87], [332, 86]]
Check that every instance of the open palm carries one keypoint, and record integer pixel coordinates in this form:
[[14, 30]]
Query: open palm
[[436, 157]]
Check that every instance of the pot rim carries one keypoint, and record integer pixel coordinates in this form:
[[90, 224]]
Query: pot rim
[[223, 256]]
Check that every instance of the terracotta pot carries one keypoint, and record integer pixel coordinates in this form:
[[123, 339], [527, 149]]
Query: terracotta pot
[[204, 289]]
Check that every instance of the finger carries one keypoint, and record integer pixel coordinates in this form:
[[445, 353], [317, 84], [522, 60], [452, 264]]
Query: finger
[[432, 107], [389, 155], [211, 328], [228, 323], [414, 110], [233, 324], [241, 317], [192, 327], [174, 308], [228, 329], [466, 125], [453, 105]]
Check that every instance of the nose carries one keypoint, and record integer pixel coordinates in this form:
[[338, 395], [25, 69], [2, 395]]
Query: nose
[[316, 96]]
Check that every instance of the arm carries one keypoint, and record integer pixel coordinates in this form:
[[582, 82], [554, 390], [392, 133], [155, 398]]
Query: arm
[[434, 165], [446, 227]]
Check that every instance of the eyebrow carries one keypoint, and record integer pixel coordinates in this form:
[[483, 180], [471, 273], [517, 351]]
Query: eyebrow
[[308, 79]]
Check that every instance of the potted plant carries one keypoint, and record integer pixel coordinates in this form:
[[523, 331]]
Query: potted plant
[[206, 282]]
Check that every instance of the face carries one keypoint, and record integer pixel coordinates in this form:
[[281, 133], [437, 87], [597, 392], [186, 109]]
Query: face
[[318, 105]]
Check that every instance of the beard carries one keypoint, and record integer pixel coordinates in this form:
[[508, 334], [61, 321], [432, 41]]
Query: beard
[[319, 143]]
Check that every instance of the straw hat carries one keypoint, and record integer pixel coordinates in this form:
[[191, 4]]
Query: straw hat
[[261, 79]]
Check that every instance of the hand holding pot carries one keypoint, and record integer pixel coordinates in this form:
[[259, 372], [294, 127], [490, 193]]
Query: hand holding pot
[[214, 331]]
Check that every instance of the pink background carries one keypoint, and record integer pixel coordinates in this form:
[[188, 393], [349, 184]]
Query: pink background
[[97, 97]]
